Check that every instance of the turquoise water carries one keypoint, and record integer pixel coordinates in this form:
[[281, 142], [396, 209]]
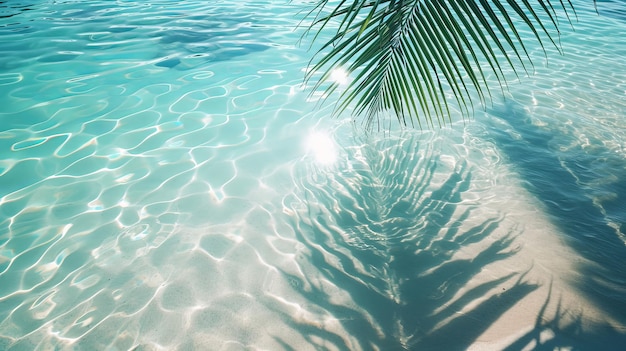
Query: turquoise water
[[167, 183]]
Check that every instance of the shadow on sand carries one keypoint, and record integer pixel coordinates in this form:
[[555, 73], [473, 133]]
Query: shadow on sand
[[559, 331], [392, 232], [568, 185]]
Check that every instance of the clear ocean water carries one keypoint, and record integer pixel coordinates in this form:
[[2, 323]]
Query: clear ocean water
[[168, 183]]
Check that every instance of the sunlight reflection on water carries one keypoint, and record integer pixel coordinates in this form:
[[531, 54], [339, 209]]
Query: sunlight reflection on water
[[154, 196], [322, 147]]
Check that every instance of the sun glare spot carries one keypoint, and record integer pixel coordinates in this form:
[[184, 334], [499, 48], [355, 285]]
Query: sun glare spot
[[339, 76], [322, 147]]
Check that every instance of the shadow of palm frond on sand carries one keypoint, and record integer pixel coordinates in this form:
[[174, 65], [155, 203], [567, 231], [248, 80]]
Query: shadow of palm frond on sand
[[397, 256], [583, 192], [564, 329]]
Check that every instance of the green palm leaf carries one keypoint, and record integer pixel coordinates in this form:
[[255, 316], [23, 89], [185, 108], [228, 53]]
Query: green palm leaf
[[411, 58]]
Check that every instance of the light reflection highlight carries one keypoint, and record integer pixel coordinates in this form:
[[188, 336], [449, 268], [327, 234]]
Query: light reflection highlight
[[339, 76], [322, 147]]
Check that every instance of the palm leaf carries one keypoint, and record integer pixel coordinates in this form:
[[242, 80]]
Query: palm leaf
[[412, 58]]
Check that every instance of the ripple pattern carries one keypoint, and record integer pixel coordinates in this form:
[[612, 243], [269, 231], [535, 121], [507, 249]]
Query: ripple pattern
[[157, 192], [392, 227]]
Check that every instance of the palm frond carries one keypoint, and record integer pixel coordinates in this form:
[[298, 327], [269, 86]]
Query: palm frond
[[412, 58]]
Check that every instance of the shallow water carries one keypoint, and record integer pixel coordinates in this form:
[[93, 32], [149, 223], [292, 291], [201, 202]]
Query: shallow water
[[166, 182]]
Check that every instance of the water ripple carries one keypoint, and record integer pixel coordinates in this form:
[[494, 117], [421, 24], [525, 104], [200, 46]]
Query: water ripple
[[157, 191]]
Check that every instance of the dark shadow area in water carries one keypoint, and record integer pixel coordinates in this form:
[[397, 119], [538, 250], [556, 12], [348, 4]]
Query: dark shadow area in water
[[215, 39], [566, 183], [13, 8], [612, 8], [211, 36], [381, 232]]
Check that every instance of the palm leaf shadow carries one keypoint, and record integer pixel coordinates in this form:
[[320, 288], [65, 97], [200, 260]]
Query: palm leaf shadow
[[561, 331], [386, 230], [564, 182]]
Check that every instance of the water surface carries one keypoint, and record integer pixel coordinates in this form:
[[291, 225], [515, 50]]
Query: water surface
[[166, 182]]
